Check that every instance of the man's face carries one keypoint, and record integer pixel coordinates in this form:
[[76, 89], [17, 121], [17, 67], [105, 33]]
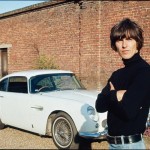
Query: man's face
[[126, 47]]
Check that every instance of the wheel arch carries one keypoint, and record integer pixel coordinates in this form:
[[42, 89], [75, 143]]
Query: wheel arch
[[50, 118]]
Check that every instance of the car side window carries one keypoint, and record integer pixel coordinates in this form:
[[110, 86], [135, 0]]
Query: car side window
[[3, 85], [18, 85]]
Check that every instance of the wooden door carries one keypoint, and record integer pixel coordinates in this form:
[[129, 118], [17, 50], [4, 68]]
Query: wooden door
[[4, 62]]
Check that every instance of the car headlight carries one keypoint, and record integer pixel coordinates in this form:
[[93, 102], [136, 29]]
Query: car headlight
[[92, 113]]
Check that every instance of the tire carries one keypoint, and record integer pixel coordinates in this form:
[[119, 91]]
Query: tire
[[64, 132], [1, 125]]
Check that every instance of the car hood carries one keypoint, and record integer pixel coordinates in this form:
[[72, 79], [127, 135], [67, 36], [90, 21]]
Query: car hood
[[85, 96]]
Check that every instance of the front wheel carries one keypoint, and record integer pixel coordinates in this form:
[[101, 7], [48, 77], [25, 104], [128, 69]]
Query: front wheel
[[64, 132]]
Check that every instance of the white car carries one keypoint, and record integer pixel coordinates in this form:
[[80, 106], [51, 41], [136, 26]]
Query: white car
[[53, 103]]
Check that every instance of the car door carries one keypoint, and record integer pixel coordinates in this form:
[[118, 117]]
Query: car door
[[39, 105], [15, 103]]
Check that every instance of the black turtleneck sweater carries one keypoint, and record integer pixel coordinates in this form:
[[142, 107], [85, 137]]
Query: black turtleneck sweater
[[127, 117]]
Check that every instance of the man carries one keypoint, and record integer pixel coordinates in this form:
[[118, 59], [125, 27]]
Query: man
[[126, 96]]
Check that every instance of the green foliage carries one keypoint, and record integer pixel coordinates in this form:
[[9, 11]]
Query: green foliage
[[45, 62]]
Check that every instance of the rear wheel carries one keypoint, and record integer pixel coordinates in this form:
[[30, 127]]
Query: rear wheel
[[64, 132]]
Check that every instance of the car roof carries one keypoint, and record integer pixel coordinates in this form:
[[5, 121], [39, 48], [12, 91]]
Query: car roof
[[30, 73]]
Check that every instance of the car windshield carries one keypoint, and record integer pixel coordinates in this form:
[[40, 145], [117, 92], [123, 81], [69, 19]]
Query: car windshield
[[51, 82]]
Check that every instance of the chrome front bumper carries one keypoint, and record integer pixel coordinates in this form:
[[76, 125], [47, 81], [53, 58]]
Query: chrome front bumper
[[100, 135]]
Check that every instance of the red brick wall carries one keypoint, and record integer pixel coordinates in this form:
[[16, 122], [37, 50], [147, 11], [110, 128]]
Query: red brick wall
[[89, 43], [112, 12], [52, 31], [76, 36]]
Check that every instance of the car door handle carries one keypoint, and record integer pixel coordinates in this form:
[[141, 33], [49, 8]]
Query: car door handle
[[1, 96], [37, 107]]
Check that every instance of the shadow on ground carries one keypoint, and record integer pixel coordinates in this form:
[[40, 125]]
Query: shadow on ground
[[86, 144]]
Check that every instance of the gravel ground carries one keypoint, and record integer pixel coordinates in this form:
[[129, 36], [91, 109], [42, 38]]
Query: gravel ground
[[12, 138]]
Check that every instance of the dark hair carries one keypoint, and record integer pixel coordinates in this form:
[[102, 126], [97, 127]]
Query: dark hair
[[126, 29]]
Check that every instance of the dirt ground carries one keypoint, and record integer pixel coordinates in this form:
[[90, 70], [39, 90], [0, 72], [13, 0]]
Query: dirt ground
[[12, 138]]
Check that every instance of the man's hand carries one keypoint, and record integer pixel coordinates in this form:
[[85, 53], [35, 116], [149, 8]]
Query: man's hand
[[111, 86], [120, 93]]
